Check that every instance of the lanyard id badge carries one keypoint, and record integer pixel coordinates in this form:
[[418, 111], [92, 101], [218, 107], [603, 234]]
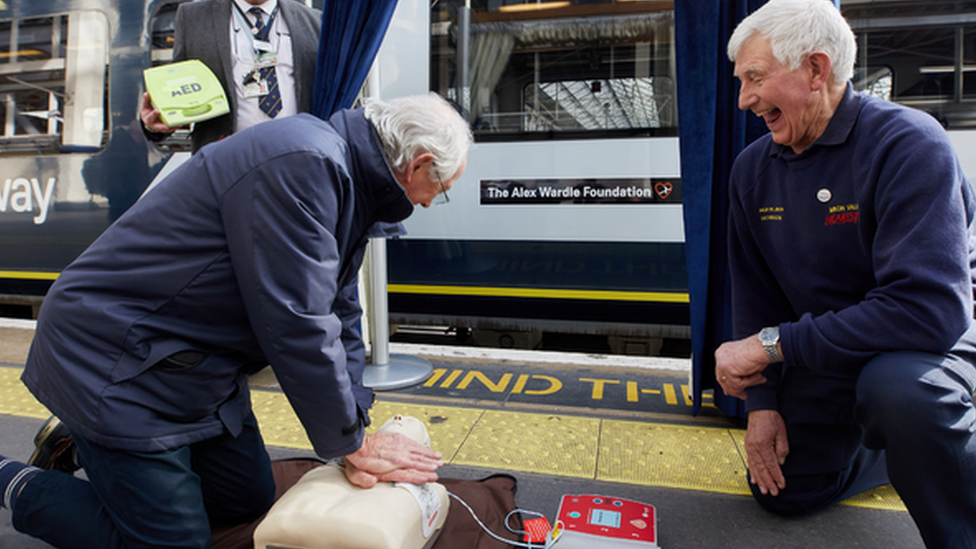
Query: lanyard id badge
[[255, 84]]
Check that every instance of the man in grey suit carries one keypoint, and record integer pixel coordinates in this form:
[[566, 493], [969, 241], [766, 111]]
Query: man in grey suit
[[239, 45]]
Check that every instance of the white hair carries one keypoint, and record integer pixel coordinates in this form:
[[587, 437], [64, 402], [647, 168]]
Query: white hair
[[797, 28], [412, 125]]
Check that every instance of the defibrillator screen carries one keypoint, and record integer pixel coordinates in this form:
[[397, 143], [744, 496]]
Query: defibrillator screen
[[610, 519]]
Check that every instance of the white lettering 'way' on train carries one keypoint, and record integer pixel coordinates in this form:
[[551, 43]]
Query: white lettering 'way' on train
[[20, 195]]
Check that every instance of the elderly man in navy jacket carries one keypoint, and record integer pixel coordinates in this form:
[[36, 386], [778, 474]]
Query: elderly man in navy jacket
[[246, 255]]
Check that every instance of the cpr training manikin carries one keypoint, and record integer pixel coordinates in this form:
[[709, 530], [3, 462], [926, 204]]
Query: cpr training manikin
[[323, 510]]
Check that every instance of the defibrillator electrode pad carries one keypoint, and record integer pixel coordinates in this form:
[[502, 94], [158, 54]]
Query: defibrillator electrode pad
[[185, 92]]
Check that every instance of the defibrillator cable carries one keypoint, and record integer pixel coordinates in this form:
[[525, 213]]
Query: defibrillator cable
[[527, 545]]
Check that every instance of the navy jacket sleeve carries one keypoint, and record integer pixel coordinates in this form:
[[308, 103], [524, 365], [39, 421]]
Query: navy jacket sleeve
[[349, 311], [757, 299]]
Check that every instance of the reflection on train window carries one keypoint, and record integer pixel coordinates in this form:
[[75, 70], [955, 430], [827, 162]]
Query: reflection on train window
[[163, 25], [163, 30], [568, 69], [53, 84], [919, 54]]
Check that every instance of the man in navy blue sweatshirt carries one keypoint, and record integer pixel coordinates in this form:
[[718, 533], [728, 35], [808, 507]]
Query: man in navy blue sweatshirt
[[851, 247]]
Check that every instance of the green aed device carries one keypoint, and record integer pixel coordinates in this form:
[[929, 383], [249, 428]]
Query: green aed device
[[185, 92]]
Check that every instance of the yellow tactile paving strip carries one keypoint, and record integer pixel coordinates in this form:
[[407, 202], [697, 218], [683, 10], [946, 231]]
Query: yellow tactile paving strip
[[537, 443], [633, 452], [15, 399], [699, 458]]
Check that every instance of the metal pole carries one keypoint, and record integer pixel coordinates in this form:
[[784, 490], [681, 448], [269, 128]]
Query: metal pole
[[385, 372], [379, 325], [463, 45], [960, 67], [862, 51]]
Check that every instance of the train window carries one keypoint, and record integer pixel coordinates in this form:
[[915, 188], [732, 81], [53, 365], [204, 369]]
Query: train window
[[549, 70], [53, 83], [923, 56], [31, 104]]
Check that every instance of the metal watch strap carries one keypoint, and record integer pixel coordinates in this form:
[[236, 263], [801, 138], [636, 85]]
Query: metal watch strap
[[769, 337], [773, 353]]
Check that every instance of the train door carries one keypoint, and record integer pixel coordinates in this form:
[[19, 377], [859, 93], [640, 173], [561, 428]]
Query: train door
[[567, 223]]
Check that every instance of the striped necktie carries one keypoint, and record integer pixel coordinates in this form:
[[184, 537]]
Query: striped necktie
[[270, 103]]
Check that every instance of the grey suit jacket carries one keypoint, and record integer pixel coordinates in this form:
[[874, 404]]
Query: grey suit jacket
[[202, 33]]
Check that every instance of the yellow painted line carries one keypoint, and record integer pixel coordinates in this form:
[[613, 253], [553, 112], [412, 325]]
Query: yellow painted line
[[28, 275], [598, 385], [19, 53], [669, 394], [645, 453], [488, 291]]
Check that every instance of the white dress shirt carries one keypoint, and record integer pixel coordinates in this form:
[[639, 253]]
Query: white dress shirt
[[242, 54]]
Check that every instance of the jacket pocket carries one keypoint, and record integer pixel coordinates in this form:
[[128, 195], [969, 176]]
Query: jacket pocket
[[184, 387], [183, 360]]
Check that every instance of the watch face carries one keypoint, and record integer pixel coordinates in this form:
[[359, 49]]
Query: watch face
[[769, 336]]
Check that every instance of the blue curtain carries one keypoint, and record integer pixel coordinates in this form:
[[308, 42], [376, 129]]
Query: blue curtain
[[712, 132], [352, 31]]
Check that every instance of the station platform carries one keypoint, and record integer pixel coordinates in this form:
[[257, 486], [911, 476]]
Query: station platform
[[560, 423]]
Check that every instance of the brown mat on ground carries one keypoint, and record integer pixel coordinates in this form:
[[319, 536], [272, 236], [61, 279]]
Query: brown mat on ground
[[491, 499]]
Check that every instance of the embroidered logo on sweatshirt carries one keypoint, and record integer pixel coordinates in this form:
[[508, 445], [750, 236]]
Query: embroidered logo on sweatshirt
[[771, 213], [842, 214]]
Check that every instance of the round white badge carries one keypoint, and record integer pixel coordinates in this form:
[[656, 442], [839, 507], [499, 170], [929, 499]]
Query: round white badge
[[824, 195]]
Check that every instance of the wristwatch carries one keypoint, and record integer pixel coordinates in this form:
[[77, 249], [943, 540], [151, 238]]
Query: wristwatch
[[769, 337]]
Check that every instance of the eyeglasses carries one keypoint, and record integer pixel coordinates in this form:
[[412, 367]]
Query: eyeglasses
[[441, 197]]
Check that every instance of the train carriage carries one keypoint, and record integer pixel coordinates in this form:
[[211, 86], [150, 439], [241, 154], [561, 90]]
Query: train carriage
[[566, 230]]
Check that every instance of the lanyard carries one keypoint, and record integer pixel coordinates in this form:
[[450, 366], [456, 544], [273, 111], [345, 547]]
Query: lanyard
[[253, 36]]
